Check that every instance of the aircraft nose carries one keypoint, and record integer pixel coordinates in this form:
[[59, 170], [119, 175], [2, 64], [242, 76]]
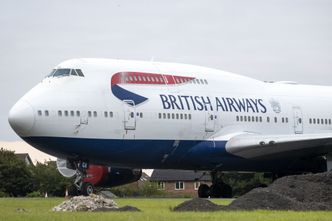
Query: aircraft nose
[[21, 117]]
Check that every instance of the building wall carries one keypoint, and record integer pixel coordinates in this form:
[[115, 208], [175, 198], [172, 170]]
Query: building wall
[[188, 191]]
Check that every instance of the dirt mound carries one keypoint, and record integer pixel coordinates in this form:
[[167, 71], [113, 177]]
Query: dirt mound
[[197, 204], [300, 192], [93, 203]]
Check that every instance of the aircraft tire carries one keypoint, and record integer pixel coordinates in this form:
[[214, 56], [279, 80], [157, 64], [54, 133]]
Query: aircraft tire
[[87, 189], [203, 191]]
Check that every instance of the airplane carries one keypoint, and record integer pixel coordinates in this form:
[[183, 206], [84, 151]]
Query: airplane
[[146, 114]]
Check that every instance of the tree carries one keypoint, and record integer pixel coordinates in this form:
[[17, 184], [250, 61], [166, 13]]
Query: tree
[[15, 176], [46, 178]]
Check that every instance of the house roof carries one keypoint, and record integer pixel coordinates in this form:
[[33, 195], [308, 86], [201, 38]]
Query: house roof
[[179, 175]]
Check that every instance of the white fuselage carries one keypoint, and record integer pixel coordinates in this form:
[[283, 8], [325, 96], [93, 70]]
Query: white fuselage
[[205, 105]]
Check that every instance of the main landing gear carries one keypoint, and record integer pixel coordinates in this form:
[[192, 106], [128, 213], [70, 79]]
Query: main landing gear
[[84, 188], [218, 189]]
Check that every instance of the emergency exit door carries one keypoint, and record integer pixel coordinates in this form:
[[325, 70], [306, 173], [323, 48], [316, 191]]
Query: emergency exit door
[[129, 115], [298, 121]]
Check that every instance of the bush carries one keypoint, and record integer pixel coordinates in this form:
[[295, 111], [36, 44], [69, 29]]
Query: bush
[[3, 194], [35, 194], [148, 189]]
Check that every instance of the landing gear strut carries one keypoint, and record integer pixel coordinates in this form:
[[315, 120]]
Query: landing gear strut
[[218, 189], [82, 187]]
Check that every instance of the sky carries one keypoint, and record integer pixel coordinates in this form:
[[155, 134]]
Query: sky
[[273, 40]]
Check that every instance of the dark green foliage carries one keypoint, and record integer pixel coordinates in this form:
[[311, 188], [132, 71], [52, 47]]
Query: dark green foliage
[[18, 179], [15, 176], [46, 178], [242, 183], [148, 189]]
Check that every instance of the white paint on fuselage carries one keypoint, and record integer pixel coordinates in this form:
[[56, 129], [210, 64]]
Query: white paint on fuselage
[[93, 93]]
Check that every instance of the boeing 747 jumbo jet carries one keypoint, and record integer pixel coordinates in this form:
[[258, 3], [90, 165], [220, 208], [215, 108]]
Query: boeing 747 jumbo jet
[[133, 114]]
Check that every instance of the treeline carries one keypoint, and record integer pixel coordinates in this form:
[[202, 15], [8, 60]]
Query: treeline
[[19, 179]]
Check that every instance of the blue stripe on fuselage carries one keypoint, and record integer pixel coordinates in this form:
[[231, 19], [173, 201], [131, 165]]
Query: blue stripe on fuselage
[[138, 153]]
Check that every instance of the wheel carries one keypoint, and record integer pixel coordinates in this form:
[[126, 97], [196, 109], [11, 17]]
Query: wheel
[[227, 191], [87, 189], [203, 191], [216, 191]]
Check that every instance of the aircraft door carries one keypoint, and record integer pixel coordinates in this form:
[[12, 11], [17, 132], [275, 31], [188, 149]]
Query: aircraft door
[[298, 121], [129, 115], [210, 122]]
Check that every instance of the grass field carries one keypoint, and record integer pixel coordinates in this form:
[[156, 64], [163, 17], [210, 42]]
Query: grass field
[[152, 209]]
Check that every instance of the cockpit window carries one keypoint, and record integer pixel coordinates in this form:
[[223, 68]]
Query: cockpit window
[[62, 72], [73, 72], [79, 72]]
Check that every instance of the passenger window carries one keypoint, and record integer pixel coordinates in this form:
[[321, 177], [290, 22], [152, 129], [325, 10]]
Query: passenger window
[[106, 114], [66, 113], [282, 120], [329, 121], [78, 113], [72, 113], [275, 119], [164, 115], [189, 116], [249, 118], [59, 113], [181, 116], [202, 82], [141, 115], [286, 119], [185, 116], [237, 118], [132, 115], [177, 116], [314, 121], [89, 114], [205, 81], [241, 118], [47, 113], [310, 121], [95, 113], [159, 115], [325, 121], [268, 119], [39, 113], [253, 119], [111, 114], [173, 115], [197, 81], [245, 118], [168, 116], [256, 118]]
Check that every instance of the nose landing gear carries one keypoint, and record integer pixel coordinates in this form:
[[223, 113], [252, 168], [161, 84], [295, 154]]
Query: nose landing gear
[[82, 187]]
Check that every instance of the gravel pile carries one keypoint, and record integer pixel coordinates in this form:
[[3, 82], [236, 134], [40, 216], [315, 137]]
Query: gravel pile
[[86, 203], [93, 203], [197, 204], [300, 192]]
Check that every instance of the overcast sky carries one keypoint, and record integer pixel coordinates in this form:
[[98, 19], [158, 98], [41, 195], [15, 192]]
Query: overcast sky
[[267, 40]]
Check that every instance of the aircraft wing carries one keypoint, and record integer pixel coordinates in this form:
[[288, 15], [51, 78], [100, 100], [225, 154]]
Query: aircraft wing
[[265, 147]]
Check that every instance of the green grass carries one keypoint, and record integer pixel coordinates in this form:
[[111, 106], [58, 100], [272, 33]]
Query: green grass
[[153, 209]]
